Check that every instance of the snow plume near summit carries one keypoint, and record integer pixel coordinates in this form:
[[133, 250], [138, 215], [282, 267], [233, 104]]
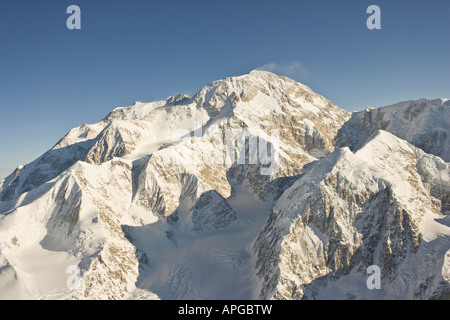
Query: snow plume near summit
[[294, 69], [256, 187]]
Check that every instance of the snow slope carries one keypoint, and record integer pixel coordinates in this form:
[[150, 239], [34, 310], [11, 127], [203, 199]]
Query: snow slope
[[238, 192], [354, 210], [425, 123], [126, 199]]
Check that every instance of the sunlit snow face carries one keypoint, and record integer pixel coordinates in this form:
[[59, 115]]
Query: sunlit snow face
[[234, 146]]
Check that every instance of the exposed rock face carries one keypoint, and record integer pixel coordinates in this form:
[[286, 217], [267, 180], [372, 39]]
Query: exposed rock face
[[212, 211], [166, 199], [254, 104], [424, 123], [351, 211]]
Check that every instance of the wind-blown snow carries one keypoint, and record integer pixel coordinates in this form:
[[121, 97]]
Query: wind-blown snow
[[168, 200]]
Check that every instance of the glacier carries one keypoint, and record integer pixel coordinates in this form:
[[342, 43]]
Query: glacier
[[172, 200]]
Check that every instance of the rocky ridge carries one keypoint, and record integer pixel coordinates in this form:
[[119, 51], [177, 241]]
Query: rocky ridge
[[254, 175]]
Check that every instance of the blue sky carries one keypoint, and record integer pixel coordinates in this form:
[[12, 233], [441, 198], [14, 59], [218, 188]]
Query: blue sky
[[53, 79]]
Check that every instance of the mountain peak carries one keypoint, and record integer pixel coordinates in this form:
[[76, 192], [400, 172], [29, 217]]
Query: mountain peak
[[178, 99], [422, 122], [179, 198]]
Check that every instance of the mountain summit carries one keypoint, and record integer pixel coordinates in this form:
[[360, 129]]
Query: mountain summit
[[255, 187]]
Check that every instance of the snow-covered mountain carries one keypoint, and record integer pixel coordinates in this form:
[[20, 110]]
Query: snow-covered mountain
[[235, 193], [353, 210], [423, 122]]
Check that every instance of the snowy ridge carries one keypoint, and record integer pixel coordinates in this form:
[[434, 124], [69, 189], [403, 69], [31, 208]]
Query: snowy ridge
[[258, 101], [173, 200], [353, 210], [424, 123], [70, 221]]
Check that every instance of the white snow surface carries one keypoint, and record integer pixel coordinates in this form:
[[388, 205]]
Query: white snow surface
[[424, 122], [338, 208], [146, 204]]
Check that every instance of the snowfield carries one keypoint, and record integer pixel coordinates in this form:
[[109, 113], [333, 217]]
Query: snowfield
[[254, 188]]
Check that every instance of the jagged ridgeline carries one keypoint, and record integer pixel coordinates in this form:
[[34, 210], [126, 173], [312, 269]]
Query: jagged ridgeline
[[254, 188]]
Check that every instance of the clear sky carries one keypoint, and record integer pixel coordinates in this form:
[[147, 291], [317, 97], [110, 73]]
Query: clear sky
[[53, 79]]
